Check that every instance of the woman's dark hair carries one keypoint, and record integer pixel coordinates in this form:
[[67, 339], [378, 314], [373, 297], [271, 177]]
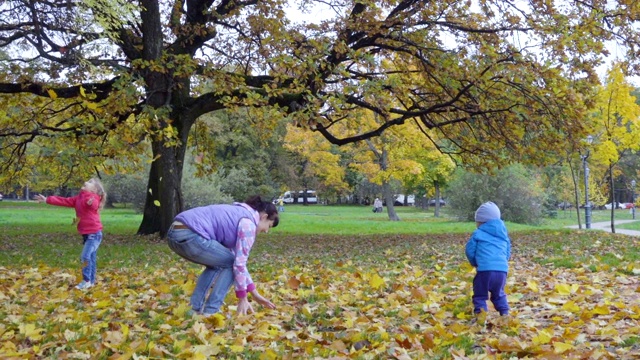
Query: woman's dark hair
[[264, 206]]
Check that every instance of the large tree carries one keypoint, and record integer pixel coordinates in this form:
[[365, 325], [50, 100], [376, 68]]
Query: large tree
[[501, 80]]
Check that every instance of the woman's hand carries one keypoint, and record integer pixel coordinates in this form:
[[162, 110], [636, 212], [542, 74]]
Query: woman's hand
[[262, 300], [244, 307], [40, 198]]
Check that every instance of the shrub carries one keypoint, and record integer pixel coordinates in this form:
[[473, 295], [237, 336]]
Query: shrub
[[514, 189]]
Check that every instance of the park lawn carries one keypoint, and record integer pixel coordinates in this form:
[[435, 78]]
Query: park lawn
[[342, 290]]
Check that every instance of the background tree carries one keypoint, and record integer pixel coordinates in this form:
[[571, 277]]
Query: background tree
[[515, 189], [616, 121], [95, 65], [318, 159]]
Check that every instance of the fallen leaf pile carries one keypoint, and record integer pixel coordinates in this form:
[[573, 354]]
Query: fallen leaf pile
[[396, 297]]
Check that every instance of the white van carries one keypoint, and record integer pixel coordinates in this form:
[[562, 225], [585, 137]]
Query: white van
[[399, 200], [289, 197]]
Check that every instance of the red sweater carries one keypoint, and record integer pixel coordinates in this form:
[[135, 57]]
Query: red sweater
[[88, 216]]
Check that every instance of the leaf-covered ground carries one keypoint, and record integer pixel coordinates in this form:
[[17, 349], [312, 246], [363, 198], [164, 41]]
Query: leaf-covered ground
[[574, 295]]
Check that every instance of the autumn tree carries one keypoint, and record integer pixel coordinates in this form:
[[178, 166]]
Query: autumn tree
[[616, 120], [318, 160], [500, 80]]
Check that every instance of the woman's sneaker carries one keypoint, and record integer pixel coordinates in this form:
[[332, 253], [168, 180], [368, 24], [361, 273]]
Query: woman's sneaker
[[84, 285]]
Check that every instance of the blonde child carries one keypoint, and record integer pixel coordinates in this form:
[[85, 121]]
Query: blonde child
[[88, 204]]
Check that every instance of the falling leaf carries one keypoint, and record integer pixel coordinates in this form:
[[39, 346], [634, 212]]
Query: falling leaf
[[156, 203], [52, 94]]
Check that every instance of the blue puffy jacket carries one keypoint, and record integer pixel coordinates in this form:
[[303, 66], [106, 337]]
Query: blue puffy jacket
[[489, 247]]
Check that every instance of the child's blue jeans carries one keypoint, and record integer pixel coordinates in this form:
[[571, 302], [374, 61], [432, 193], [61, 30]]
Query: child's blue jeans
[[89, 256], [492, 282]]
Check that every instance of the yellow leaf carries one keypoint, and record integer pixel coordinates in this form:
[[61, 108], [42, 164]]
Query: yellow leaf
[[91, 105], [566, 289], [268, 355], [533, 285], [542, 338], [30, 331], [560, 347], [179, 344], [236, 348], [571, 307], [103, 304], [601, 310], [82, 92], [181, 309], [52, 94], [376, 281], [125, 330], [156, 203], [217, 320], [188, 286]]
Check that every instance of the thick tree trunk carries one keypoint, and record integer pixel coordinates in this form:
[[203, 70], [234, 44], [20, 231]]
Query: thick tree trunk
[[388, 197], [164, 196]]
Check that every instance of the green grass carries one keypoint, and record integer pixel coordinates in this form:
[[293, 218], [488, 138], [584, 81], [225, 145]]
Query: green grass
[[34, 233], [21, 217]]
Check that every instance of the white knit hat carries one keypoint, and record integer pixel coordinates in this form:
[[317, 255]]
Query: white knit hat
[[487, 211]]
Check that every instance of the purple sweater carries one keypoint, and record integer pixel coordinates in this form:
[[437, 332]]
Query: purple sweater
[[233, 226]]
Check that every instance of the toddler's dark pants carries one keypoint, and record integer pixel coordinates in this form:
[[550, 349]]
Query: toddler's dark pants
[[492, 282]]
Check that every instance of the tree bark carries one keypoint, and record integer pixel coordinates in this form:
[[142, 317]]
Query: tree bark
[[436, 213], [164, 197], [614, 201], [576, 192]]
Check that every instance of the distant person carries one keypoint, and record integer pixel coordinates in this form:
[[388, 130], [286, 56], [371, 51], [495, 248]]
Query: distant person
[[88, 204], [280, 205], [489, 250], [220, 237], [377, 205]]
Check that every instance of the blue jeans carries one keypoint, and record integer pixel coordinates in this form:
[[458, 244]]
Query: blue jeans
[[89, 256], [492, 282], [217, 276]]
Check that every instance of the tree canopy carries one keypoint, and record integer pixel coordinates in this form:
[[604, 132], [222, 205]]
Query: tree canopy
[[497, 80]]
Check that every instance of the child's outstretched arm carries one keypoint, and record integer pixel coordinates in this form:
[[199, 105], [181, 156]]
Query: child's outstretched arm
[[470, 251], [61, 201]]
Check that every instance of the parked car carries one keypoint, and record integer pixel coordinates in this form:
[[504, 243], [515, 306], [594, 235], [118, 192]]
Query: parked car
[[620, 206], [627, 206], [565, 205], [0, 197], [432, 202], [399, 200]]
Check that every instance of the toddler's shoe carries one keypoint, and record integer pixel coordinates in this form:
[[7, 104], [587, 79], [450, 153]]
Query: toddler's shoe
[[84, 285]]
